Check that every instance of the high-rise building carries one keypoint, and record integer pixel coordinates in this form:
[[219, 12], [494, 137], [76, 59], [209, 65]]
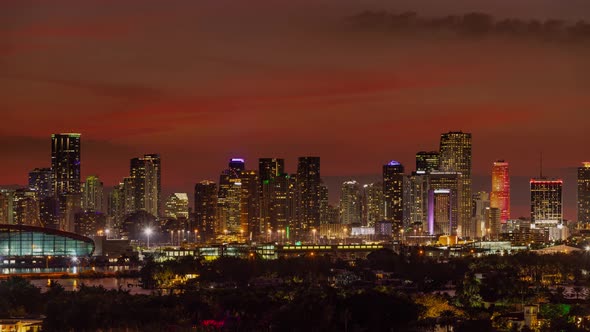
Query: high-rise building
[[493, 224], [250, 206], [373, 198], [440, 211], [92, 194], [116, 209], [229, 198], [65, 163], [41, 181], [480, 215], [427, 161], [455, 156], [416, 200], [6, 206], [546, 202], [324, 204], [176, 206], [350, 203], [146, 174], [584, 194], [444, 190], [26, 207], [500, 197], [268, 171], [308, 180], [393, 186], [206, 209]]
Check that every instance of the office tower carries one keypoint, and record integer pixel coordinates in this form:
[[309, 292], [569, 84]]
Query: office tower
[[546, 202], [324, 204], [481, 206], [416, 200], [455, 156], [41, 181], [116, 209], [427, 161], [500, 197], [494, 223], [229, 198], [176, 206], [440, 211], [89, 223], [444, 190], [65, 163], [393, 185], [292, 208], [128, 189], [250, 206], [584, 194], [308, 183], [350, 203], [49, 212], [6, 206], [280, 203], [373, 197], [26, 207], [146, 174], [268, 171], [206, 209], [92, 194]]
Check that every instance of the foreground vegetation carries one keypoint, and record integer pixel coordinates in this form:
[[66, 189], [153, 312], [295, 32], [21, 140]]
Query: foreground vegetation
[[384, 292]]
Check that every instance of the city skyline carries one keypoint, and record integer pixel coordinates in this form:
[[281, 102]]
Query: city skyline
[[169, 79]]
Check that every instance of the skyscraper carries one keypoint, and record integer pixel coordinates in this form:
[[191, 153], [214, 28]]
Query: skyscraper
[[455, 156], [373, 197], [393, 186], [268, 171], [500, 197], [584, 194], [146, 174], [350, 203], [229, 197], [176, 206], [546, 202], [41, 181], [65, 163], [444, 202], [308, 183], [416, 200], [92, 196], [427, 161], [324, 204], [250, 206], [481, 210], [206, 208]]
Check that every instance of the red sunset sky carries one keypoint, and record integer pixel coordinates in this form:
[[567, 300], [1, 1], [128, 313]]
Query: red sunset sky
[[202, 81]]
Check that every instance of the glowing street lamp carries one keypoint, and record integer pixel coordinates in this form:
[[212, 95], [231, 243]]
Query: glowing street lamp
[[148, 232], [107, 231]]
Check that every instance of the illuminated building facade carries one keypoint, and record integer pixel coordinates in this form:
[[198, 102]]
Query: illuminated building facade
[[92, 194], [308, 186], [20, 241], [427, 161], [324, 204], [584, 194], [146, 174], [444, 193], [416, 189], [500, 196], [393, 186], [350, 203], [373, 202], [206, 209], [65, 163], [250, 203], [176, 206], [26, 208], [546, 202], [269, 169], [455, 156], [41, 181], [229, 198]]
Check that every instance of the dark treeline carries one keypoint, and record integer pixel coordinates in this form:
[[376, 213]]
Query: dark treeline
[[385, 292]]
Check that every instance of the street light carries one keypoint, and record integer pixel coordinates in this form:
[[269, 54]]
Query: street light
[[107, 231], [148, 232]]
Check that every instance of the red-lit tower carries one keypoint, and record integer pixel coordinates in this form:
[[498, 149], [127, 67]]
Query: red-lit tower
[[500, 197]]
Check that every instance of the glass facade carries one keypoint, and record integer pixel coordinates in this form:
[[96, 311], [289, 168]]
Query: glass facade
[[18, 240]]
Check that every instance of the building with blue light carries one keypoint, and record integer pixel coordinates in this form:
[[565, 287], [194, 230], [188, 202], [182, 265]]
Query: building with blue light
[[31, 241]]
